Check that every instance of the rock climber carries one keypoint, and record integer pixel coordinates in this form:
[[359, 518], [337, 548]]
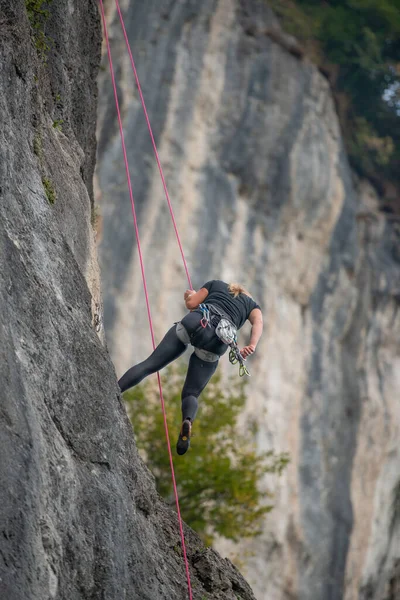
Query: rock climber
[[217, 311]]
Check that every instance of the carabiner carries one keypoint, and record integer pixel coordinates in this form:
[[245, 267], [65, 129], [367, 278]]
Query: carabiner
[[233, 359], [243, 370]]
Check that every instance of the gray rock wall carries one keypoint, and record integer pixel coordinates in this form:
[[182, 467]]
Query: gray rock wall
[[263, 194], [80, 518]]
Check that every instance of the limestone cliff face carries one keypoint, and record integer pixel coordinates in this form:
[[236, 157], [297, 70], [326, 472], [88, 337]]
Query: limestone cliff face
[[80, 517], [263, 194]]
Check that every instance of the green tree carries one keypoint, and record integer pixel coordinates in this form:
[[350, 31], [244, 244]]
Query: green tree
[[357, 42], [218, 479]]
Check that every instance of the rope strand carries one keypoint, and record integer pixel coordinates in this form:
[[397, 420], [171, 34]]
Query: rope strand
[[145, 291], [153, 143]]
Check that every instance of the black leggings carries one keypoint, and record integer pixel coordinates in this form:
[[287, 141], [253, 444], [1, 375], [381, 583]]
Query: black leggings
[[199, 371]]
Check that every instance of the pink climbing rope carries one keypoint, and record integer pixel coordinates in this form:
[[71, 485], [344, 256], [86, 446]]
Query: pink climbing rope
[[154, 143], [145, 292]]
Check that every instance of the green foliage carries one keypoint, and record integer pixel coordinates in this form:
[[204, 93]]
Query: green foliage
[[57, 124], [218, 477], [46, 181], [38, 146], [371, 150], [358, 43], [38, 15], [95, 216], [49, 189]]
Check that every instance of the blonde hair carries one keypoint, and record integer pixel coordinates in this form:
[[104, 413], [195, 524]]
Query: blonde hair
[[237, 288]]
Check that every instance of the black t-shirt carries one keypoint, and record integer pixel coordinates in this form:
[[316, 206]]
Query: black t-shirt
[[237, 309]]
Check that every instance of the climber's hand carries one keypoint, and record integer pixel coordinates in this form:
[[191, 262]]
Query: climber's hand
[[248, 350]]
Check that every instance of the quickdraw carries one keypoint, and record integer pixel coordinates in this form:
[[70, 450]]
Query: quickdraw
[[235, 357], [205, 321]]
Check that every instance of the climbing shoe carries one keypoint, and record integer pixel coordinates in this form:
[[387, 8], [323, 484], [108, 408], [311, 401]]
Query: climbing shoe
[[183, 442]]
